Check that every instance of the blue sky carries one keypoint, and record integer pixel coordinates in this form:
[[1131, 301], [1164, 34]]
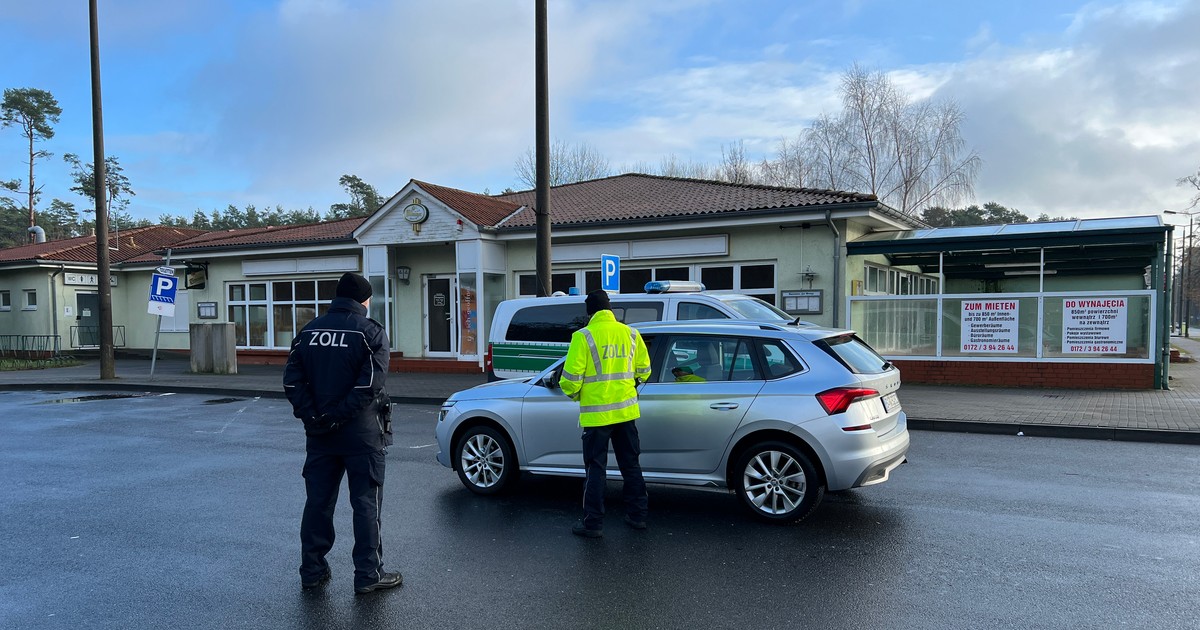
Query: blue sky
[[1076, 108]]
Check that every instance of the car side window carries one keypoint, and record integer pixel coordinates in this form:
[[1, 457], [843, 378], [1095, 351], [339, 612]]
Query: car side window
[[696, 310], [704, 358], [634, 312], [777, 360]]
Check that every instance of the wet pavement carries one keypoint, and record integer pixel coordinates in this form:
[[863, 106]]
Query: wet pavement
[[182, 511], [1146, 415]]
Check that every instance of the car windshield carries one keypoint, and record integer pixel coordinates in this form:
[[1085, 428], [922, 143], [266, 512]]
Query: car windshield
[[756, 309]]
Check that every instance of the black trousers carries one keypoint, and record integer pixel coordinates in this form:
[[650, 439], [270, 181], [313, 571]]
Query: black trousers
[[627, 446], [322, 479]]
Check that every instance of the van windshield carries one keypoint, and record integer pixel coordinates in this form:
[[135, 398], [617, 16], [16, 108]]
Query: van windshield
[[754, 308]]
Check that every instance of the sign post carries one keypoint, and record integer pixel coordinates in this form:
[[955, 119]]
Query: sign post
[[162, 301], [610, 273]]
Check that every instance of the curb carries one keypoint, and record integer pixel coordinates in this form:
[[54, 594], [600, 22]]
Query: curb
[[185, 389], [1055, 431]]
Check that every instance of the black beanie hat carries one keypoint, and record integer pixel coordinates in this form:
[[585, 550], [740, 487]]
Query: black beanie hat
[[354, 286], [597, 301]]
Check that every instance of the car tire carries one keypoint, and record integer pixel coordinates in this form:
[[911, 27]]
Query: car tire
[[777, 482], [485, 460]]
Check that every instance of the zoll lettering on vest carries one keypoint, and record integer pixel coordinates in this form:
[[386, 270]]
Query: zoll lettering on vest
[[328, 339]]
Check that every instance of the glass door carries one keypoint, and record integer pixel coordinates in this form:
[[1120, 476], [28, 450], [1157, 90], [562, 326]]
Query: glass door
[[441, 316]]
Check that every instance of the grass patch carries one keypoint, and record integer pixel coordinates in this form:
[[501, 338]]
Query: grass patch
[[13, 365]]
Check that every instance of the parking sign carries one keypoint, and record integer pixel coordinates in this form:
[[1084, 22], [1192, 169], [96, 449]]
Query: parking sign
[[162, 295], [610, 273]]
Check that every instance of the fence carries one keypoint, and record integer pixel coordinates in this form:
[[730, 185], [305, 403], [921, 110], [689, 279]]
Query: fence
[[89, 336], [41, 350]]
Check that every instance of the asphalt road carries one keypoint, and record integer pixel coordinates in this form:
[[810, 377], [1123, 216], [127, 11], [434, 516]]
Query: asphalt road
[[183, 511]]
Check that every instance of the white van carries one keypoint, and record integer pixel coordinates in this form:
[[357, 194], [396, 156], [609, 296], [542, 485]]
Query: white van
[[528, 334]]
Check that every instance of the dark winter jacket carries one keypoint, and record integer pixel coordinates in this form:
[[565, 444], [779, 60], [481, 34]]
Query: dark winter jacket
[[335, 378]]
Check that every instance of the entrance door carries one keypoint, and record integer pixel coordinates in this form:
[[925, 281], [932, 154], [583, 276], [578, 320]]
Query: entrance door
[[87, 318], [441, 322]]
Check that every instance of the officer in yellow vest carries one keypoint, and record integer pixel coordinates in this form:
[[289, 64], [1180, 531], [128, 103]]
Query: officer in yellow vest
[[605, 362]]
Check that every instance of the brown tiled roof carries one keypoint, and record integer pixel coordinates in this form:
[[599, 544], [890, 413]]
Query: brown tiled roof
[[479, 209], [634, 196], [309, 233], [126, 246]]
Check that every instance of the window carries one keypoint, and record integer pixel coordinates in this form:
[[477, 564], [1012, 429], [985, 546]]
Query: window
[[30, 300], [696, 310], [178, 323], [634, 312], [5, 301], [756, 279], [697, 359], [527, 283], [855, 354], [550, 323], [887, 281], [269, 314], [778, 360]]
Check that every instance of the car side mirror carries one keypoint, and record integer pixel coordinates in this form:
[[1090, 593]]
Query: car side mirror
[[550, 381]]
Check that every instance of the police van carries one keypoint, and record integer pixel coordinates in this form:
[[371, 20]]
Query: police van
[[528, 334]]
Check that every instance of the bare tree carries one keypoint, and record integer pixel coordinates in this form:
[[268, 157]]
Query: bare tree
[[672, 166], [569, 163], [734, 167], [1194, 182], [791, 166], [908, 154]]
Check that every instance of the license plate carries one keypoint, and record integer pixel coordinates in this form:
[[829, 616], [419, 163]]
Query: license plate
[[891, 402]]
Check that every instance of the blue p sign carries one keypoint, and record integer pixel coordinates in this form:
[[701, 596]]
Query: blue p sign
[[610, 273], [162, 295]]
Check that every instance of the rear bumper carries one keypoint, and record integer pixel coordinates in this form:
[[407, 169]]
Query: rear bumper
[[860, 458]]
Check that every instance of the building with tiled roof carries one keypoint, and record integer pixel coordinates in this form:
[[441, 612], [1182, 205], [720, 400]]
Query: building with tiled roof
[[440, 258], [50, 288]]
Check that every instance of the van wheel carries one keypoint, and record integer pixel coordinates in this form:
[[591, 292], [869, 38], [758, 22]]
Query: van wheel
[[777, 482], [485, 460]]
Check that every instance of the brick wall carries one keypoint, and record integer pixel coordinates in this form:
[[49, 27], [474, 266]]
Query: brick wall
[[1031, 374]]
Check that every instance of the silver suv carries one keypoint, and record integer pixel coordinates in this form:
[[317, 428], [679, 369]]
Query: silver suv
[[778, 414]]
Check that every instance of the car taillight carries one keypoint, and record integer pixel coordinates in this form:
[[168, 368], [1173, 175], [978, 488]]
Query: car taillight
[[838, 399], [487, 358]]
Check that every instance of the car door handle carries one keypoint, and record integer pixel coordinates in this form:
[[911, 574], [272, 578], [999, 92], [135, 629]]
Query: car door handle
[[723, 405]]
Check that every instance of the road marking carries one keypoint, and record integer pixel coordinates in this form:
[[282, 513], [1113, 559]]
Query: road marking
[[231, 419]]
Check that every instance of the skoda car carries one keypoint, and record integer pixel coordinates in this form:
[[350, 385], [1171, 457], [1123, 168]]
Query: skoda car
[[777, 414]]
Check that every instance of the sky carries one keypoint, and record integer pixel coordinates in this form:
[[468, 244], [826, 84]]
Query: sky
[[1084, 109]]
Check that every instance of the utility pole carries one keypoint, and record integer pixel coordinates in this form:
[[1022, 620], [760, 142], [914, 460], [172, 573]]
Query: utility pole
[[542, 196], [108, 368], [1186, 272]]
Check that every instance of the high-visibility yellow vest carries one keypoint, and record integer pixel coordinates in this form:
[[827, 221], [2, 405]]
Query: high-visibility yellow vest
[[602, 362]]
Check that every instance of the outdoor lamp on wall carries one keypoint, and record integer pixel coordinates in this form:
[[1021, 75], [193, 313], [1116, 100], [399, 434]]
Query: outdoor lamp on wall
[[402, 273], [808, 276]]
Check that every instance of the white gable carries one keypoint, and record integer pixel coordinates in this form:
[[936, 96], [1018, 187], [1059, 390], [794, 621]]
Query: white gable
[[397, 223]]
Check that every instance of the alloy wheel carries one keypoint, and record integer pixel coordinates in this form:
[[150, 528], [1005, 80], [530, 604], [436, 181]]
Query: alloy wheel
[[774, 482]]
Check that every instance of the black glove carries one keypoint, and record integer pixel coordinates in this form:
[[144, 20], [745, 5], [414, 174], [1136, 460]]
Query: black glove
[[320, 425]]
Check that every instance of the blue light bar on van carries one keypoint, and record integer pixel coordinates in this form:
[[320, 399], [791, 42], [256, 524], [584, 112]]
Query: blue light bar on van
[[673, 286]]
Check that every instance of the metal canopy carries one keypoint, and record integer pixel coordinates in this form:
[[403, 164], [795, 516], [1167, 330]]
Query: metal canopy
[[1124, 245]]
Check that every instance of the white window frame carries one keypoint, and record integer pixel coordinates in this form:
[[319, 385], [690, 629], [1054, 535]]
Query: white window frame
[[693, 274], [270, 303], [30, 300], [896, 281], [5, 300]]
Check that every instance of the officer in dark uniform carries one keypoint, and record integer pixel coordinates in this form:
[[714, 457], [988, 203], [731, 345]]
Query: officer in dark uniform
[[335, 381]]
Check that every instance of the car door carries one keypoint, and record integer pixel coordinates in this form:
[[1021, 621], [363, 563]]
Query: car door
[[550, 429], [687, 420]]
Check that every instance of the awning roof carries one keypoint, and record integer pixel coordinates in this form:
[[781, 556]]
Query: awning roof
[[1087, 246]]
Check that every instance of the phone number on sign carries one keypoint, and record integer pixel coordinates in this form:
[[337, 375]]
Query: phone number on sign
[[982, 347], [1094, 349]]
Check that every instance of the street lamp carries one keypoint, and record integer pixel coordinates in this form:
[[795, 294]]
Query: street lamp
[[1187, 273]]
